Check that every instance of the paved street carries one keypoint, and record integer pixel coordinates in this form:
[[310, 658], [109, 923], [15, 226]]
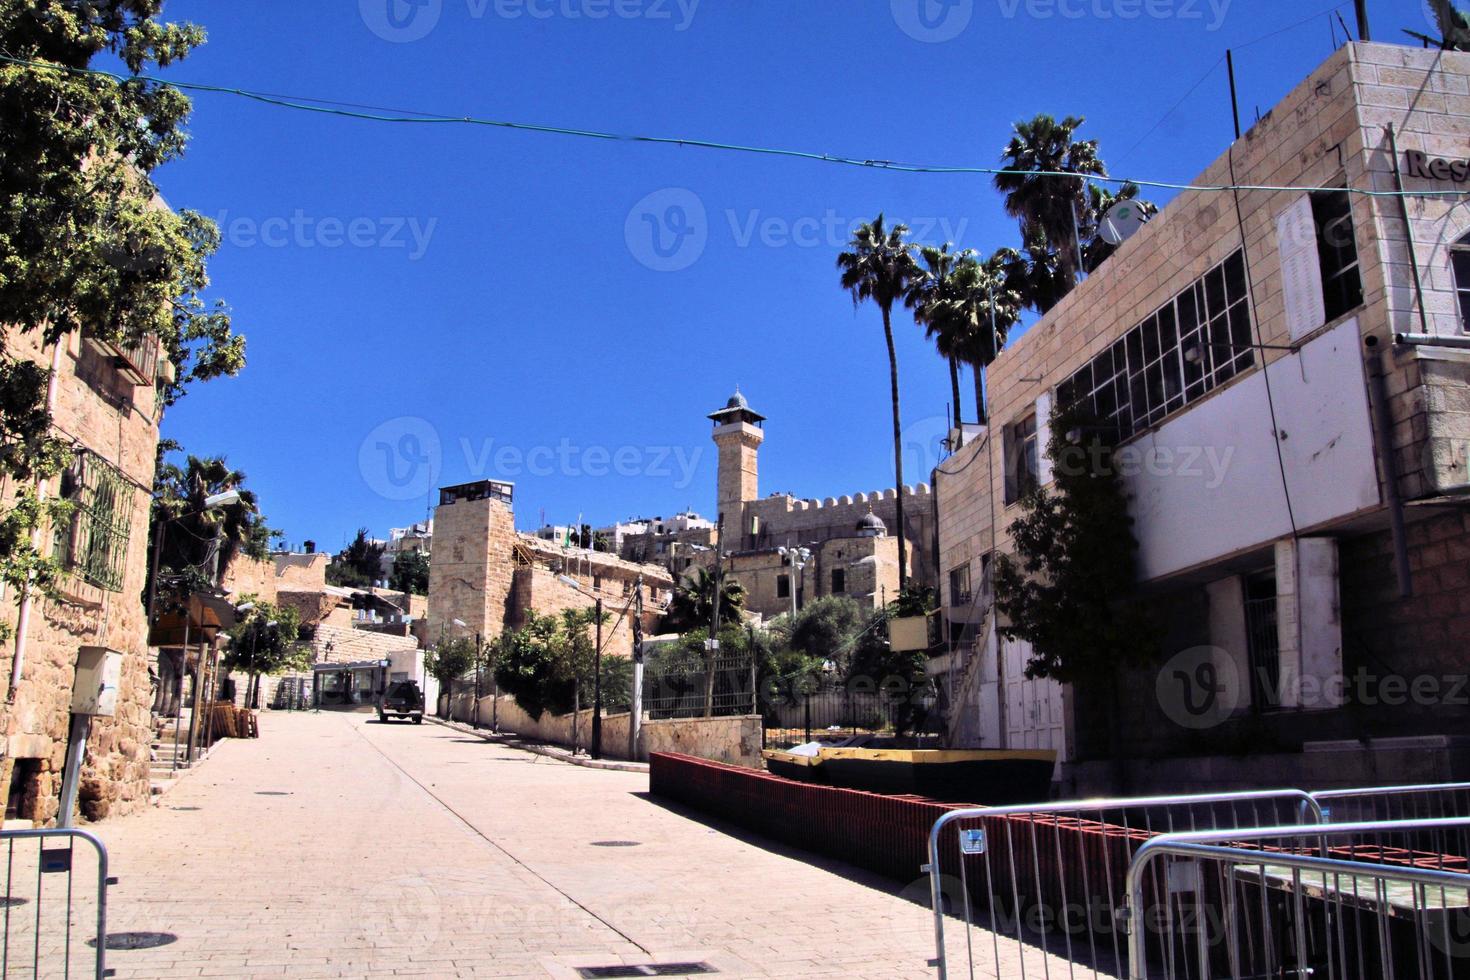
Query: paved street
[[403, 850]]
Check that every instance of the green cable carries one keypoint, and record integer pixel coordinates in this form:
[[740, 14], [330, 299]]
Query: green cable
[[303, 106]]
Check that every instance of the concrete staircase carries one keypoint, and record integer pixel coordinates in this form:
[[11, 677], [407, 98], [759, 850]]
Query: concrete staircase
[[167, 758]]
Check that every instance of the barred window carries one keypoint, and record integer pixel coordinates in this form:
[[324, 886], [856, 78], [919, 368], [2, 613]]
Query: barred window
[[93, 542], [1193, 344]]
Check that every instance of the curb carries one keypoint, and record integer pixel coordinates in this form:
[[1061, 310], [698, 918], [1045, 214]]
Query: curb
[[540, 748]]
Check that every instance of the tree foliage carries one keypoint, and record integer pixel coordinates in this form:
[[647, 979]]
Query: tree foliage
[[549, 661], [693, 603], [879, 267], [359, 565], [410, 573], [1071, 591], [267, 640], [200, 543], [450, 660]]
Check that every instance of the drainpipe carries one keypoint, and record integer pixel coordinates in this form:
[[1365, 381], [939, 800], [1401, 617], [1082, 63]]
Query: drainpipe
[[1432, 340], [1383, 424], [23, 619]]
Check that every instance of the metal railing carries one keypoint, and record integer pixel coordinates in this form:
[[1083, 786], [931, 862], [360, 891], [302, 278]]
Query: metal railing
[[1291, 901], [43, 912], [1049, 879]]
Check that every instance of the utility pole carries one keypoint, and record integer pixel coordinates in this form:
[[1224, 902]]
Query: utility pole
[[712, 645], [475, 715], [635, 718], [1364, 33], [597, 688]]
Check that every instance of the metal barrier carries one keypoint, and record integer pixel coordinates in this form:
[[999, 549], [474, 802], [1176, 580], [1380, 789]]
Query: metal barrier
[[1291, 901], [43, 915], [1420, 802], [1054, 874]]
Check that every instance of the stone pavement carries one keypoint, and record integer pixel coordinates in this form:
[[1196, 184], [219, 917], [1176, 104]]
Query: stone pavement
[[417, 850]]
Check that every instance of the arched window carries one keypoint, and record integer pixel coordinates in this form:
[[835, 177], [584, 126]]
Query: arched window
[[1460, 263]]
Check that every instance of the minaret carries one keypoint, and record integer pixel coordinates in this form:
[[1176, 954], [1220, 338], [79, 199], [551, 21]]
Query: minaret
[[739, 435]]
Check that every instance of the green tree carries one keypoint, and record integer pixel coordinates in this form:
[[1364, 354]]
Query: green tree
[[933, 296], [879, 267], [549, 664], [824, 630], [266, 641], [84, 241], [410, 573], [359, 565], [1071, 591], [692, 605], [1041, 191]]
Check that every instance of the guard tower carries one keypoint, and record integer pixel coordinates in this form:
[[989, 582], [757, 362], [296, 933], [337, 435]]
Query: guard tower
[[738, 434]]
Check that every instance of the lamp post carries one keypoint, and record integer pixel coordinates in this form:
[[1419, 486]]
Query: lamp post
[[797, 559], [572, 583], [475, 715], [212, 502]]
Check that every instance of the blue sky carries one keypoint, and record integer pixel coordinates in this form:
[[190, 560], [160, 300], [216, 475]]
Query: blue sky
[[430, 304]]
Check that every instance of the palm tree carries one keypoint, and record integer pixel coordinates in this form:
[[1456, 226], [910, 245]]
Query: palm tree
[[988, 308], [932, 298], [1039, 197], [693, 603], [202, 542], [879, 267]]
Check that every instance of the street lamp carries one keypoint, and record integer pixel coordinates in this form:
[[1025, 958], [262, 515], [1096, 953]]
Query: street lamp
[[797, 559], [212, 502]]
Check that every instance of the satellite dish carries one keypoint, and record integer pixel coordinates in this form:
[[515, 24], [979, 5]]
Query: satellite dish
[[1121, 221]]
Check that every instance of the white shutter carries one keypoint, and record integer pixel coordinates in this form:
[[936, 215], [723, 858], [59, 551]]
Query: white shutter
[[1043, 438], [1301, 269]]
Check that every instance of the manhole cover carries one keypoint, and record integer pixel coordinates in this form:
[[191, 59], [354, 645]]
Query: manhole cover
[[136, 940], [183, 809], [645, 970], [271, 792], [7, 902], [618, 843]]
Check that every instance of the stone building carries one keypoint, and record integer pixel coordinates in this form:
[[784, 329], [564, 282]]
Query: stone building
[[1286, 377], [103, 400], [851, 539], [485, 575]]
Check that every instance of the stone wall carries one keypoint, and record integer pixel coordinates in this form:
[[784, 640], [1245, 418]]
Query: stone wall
[[735, 740], [105, 414], [349, 645]]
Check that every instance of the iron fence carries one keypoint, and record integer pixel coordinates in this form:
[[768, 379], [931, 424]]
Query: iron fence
[[1356, 900], [800, 713], [696, 687], [46, 909], [1039, 886]]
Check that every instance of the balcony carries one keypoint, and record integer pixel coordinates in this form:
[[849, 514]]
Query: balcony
[[137, 362]]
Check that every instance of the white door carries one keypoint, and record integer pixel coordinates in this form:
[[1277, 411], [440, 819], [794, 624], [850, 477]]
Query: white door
[[1034, 716]]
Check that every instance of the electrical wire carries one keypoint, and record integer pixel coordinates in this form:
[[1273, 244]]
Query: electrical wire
[[326, 107]]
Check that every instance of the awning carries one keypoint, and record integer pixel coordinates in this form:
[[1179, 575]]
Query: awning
[[205, 616]]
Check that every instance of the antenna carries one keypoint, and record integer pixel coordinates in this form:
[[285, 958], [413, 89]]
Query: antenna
[[1121, 222]]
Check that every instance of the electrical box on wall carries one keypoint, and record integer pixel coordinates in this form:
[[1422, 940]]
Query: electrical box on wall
[[99, 672]]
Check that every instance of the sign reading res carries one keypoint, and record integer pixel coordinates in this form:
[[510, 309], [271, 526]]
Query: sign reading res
[[1420, 164]]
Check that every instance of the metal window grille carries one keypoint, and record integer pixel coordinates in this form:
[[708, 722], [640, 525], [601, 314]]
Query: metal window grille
[[94, 542], [1262, 641], [1187, 348]]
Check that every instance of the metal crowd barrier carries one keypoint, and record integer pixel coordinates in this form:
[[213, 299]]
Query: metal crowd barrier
[[44, 910], [1042, 881], [1343, 900]]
